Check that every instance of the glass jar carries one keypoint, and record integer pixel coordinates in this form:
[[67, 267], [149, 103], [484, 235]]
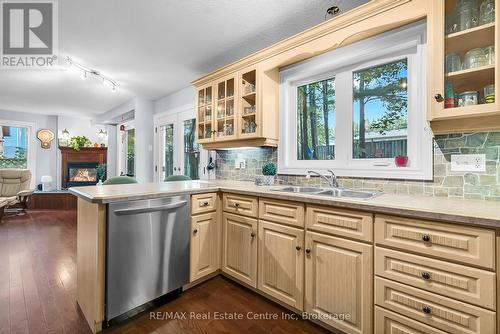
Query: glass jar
[[474, 58], [489, 94], [467, 14], [452, 62], [487, 12], [468, 98], [450, 23], [489, 55]]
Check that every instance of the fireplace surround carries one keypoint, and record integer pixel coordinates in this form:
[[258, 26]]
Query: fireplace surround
[[79, 167]]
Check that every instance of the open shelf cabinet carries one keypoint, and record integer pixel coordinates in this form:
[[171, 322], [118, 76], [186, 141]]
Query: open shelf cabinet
[[447, 103]]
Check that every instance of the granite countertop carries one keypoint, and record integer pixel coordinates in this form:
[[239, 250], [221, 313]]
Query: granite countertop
[[477, 212]]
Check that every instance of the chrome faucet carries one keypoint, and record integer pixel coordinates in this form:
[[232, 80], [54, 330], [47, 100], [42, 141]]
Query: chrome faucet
[[331, 179]]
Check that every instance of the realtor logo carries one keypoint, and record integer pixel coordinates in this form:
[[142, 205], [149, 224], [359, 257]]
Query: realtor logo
[[29, 34]]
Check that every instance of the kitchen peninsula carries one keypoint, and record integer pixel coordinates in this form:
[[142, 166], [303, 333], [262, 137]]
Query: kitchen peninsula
[[383, 245]]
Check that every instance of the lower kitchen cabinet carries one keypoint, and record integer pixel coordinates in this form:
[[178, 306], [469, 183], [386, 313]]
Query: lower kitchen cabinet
[[339, 282], [281, 263], [205, 249], [239, 248]]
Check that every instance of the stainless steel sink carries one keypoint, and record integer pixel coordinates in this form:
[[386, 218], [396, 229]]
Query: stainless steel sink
[[303, 190], [333, 192], [349, 193]]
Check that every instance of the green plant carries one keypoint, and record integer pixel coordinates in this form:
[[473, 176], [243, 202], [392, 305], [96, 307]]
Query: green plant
[[269, 169], [101, 172], [78, 142]]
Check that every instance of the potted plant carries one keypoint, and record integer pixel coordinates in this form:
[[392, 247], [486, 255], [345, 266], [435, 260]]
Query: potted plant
[[268, 172], [78, 142]]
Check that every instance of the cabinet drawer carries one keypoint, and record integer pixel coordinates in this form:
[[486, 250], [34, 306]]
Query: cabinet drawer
[[202, 203], [387, 322], [456, 281], [240, 204], [344, 223], [282, 212], [465, 244], [434, 310]]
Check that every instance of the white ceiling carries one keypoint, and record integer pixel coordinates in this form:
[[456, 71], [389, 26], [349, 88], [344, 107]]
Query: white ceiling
[[152, 48]]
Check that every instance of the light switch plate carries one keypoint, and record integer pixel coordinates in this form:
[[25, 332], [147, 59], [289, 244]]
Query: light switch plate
[[239, 162], [468, 162]]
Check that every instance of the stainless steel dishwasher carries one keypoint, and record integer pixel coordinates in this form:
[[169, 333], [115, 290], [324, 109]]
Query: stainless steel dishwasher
[[147, 251]]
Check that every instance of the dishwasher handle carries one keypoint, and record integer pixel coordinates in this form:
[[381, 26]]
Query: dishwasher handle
[[136, 211]]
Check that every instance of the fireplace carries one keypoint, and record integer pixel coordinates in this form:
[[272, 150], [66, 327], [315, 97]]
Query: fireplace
[[79, 167], [81, 174]]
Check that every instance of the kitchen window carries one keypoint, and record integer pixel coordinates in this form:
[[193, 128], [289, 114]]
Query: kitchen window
[[354, 115]]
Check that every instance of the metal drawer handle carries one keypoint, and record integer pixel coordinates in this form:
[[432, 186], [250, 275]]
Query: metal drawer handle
[[426, 238], [204, 203], [168, 207], [426, 309], [425, 275], [236, 205]]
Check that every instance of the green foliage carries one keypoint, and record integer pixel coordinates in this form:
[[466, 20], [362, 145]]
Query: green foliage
[[78, 142], [269, 169], [101, 172]]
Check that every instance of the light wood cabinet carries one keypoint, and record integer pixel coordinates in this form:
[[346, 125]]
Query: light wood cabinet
[[205, 245], [240, 204], [452, 280], [475, 246], [339, 282], [227, 111], [449, 37], [387, 322], [289, 213], [341, 222], [205, 113], [281, 263], [203, 203], [239, 248], [434, 310]]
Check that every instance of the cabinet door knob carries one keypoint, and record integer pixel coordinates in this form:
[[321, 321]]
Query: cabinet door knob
[[308, 250], [298, 248], [204, 204], [426, 238], [426, 309], [252, 235], [438, 98], [195, 231], [236, 205], [425, 275]]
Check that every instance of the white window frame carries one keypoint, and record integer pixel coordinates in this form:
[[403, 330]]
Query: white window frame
[[121, 166], [404, 43], [31, 142]]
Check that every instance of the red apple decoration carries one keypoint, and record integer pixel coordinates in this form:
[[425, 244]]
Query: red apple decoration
[[401, 160]]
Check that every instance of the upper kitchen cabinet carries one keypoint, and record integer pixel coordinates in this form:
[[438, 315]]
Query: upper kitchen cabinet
[[204, 113], [242, 117], [464, 76]]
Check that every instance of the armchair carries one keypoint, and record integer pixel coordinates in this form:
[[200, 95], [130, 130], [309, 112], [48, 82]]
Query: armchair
[[14, 188]]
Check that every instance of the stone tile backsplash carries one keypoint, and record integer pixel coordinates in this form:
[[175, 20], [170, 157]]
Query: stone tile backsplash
[[484, 185]]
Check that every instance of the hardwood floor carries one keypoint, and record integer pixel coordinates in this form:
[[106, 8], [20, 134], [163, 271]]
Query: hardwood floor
[[38, 288]]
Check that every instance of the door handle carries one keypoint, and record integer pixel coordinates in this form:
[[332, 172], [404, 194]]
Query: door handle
[[168, 207]]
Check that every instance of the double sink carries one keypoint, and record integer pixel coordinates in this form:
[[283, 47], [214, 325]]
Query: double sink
[[329, 192]]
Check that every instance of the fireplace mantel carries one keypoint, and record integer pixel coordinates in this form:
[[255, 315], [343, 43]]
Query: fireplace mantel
[[88, 154]]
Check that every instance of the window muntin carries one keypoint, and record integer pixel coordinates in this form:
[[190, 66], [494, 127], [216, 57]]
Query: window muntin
[[316, 120], [380, 111], [14, 147]]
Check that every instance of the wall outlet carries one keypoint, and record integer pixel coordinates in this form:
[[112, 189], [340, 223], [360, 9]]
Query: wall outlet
[[239, 162], [468, 162]]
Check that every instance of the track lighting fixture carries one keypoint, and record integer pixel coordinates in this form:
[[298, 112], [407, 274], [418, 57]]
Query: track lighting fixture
[[86, 72]]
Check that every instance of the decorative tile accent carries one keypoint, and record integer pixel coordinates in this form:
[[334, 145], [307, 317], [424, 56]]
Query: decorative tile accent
[[485, 185]]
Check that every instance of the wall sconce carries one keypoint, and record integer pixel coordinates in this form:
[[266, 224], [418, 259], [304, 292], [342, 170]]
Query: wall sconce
[[102, 134]]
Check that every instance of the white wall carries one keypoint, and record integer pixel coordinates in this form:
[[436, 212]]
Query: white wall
[[78, 126], [182, 99], [144, 133], [46, 160]]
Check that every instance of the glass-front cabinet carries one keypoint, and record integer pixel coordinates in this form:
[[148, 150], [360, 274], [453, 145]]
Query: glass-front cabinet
[[466, 32], [225, 123], [204, 109]]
